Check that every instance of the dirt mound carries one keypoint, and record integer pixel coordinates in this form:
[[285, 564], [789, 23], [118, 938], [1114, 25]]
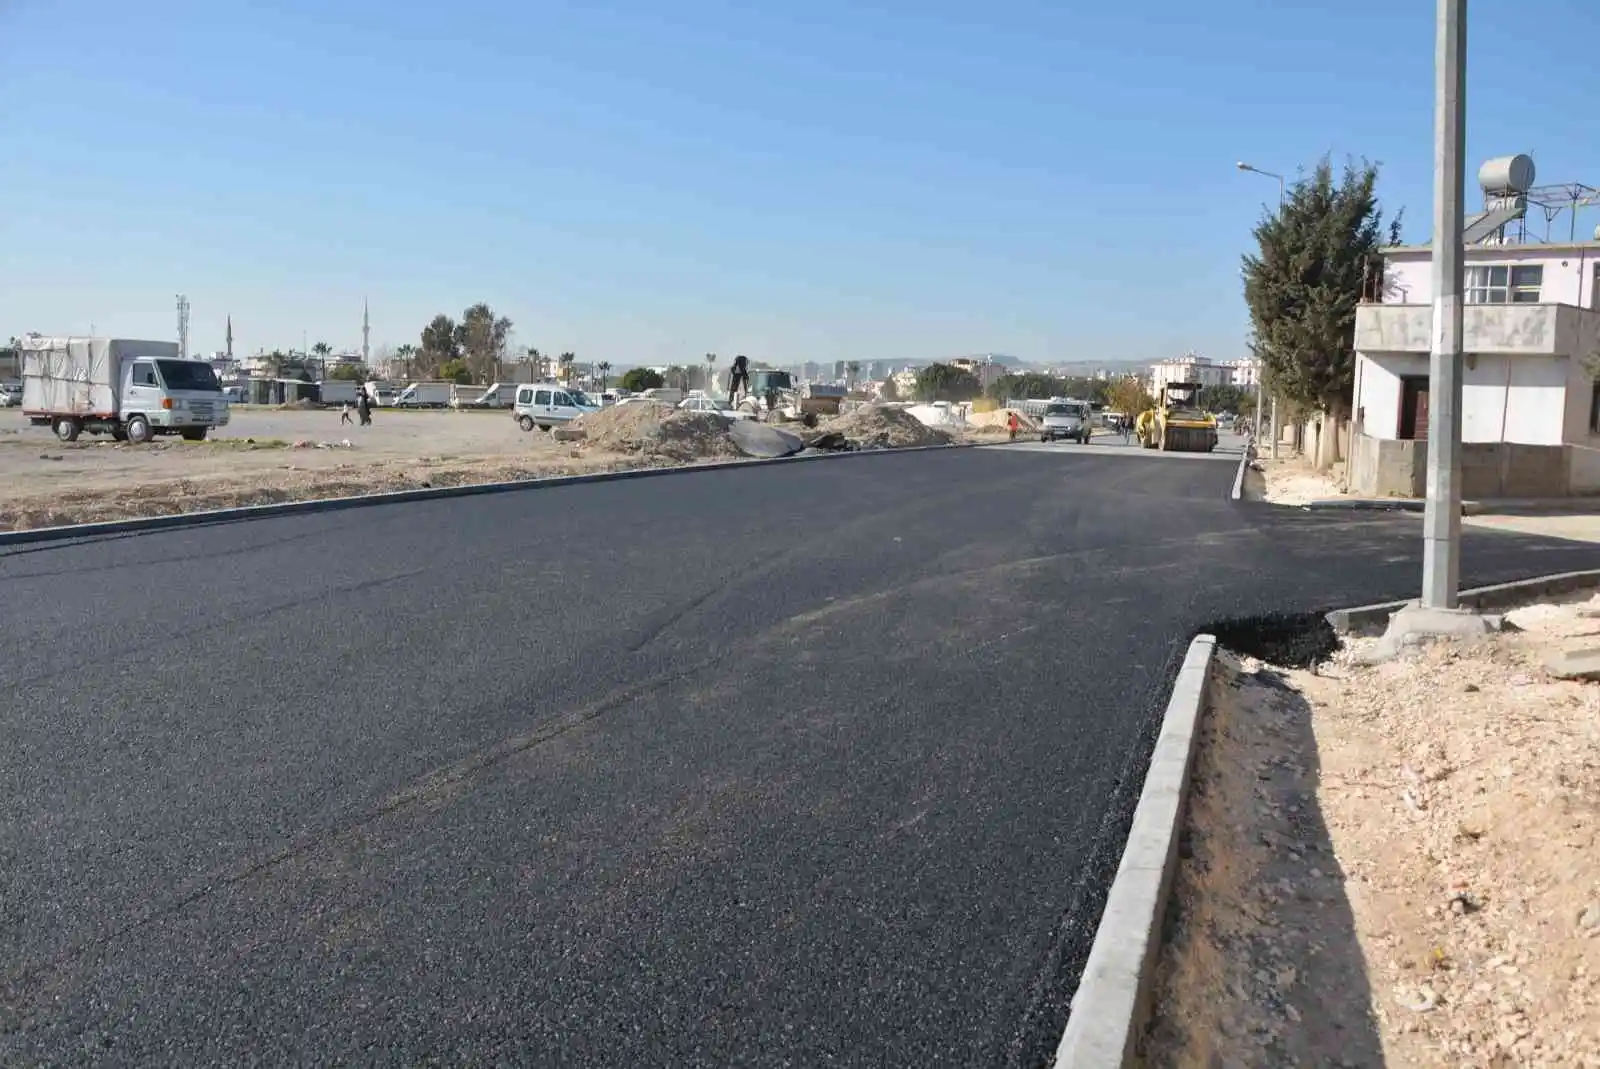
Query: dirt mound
[[657, 430], [998, 420], [878, 426]]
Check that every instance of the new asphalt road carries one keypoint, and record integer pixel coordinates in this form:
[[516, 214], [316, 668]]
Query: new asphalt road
[[826, 763]]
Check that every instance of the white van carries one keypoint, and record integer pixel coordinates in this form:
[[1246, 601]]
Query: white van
[[546, 405]]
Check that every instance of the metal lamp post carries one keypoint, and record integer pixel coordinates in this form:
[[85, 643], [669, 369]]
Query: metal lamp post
[[1243, 166]]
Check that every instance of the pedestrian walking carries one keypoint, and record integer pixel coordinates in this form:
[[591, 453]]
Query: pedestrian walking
[[344, 414], [1013, 424], [364, 407]]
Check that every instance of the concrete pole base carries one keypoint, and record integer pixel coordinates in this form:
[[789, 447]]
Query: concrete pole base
[[1415, 625]]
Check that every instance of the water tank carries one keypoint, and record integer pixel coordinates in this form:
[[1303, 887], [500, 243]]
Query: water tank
[[1507, 174]]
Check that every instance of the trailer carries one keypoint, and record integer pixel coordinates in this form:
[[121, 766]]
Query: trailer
[[132, 390], [426, 395], [336, 392]]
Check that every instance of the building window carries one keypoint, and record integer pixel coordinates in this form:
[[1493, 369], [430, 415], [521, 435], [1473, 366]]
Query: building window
[[1504, 283]]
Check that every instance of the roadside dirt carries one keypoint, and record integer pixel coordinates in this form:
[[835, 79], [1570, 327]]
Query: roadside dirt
[[1393, 865], [274, 455], [883, 427], [657, 431], [1292, 482]]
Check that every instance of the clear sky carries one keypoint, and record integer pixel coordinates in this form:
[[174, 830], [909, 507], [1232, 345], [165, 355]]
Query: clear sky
[[637, 180]]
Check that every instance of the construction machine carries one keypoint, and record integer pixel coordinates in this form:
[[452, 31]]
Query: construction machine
[[1177, 423], [776, 395]]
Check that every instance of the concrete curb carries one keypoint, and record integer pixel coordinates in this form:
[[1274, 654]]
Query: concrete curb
[[1238, 477], [1112, 1002], [396, 497], [1382, 504], [1368, 620]]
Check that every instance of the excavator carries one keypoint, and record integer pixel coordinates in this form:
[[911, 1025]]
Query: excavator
[[1177, 424]]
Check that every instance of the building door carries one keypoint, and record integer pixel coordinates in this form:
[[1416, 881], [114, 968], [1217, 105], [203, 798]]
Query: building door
[[1414, 407]]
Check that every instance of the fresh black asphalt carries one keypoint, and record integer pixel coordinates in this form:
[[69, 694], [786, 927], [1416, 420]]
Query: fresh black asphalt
[[820, 764]]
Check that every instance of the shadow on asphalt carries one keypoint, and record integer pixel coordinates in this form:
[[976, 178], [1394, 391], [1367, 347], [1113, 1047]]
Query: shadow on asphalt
[[1261, 964]]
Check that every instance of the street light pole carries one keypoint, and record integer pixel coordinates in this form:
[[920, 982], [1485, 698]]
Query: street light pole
[[1243, 166], [1441, 521]]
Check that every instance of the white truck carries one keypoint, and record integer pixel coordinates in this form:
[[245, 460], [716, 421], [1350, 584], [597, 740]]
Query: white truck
[[426, 395], [131, 390], [337, 392]]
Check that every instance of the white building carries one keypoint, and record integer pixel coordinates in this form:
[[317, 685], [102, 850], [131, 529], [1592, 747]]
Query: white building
[[1190, 367], [1242, 372], [1530, 415]]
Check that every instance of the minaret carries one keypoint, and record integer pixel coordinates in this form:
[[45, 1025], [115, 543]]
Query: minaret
[[366, 335], [230, 339]]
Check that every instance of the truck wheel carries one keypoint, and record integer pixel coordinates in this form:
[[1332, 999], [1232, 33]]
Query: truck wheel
[[119, 435], [139, 431], [525, 422], [68, 429], [194, 434]]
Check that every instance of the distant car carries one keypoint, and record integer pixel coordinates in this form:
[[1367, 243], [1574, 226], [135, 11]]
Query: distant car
[[547, 406], [714, 407], [10, 396]]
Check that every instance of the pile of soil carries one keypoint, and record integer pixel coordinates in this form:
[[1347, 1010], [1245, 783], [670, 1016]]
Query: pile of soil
[[881, 427], [655, 430], [998, 420]]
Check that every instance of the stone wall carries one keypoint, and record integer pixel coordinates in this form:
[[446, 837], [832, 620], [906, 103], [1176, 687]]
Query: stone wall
[[1383, 467]]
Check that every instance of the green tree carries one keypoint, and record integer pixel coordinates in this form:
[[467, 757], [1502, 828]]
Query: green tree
[[1304, 281], [480, 340], [1030, 385], [890, 391], [406, 354], [351, 373], [604, 367], [439, 347], [1227, 398], [636, 379], [566, 360], [1128, 396], [944, 382], [457, 371]]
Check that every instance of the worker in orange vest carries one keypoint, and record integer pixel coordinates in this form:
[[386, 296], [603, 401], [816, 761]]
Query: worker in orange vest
[[1013, 424]]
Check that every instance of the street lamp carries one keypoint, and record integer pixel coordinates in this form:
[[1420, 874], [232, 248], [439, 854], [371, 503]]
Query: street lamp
[[1243, 166]]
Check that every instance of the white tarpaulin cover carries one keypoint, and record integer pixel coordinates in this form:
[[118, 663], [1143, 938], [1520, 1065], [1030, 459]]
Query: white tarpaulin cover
[[80, 376]]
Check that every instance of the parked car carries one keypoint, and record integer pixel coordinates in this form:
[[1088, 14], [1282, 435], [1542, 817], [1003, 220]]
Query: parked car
[[548, 405], [714, 406]]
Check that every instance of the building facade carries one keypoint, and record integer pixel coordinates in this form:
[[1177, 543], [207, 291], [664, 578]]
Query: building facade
[[1530, 409]]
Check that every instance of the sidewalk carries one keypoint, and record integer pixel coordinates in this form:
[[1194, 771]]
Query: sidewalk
[[1293, 482]]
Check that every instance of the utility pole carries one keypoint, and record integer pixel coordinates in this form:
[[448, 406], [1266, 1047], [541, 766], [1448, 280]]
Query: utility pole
[[1441, 521], [1260, 365], [183, 327]]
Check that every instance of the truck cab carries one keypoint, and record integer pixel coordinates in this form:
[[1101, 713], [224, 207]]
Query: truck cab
[[169, 396]]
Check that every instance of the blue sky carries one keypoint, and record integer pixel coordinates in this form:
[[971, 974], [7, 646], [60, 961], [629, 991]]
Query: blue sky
[[636, 181]]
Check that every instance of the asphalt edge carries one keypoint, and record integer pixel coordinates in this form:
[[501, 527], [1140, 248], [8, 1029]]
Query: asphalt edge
[[1369, 620], [1112, 1002], [431, 493]]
